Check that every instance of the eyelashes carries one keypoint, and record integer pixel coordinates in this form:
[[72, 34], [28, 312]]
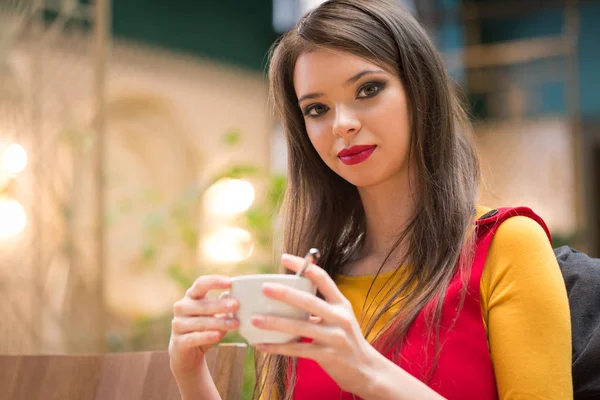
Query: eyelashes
[[366, 91], [315, 110], [370, 89]]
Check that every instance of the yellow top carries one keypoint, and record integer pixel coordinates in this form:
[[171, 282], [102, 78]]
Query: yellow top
[[525, 311]]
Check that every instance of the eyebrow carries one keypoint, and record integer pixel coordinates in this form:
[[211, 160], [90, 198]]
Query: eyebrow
[[348, 82]]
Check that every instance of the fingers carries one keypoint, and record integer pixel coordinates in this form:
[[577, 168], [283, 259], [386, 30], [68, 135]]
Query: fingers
[[188, 307], [305, 350], [197, 339], [316, 275], [205, 284], [326, 335], [303, 300], [184, 325]]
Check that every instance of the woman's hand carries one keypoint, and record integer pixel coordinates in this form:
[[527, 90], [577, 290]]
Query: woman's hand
[[199, 324], [338, 345]]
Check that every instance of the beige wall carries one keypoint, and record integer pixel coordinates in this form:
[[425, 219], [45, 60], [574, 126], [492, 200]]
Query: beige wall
[[530, 163], [204, 101], [167, 113]]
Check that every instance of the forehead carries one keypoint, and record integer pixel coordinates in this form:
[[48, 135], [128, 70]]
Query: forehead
[[318, 68]]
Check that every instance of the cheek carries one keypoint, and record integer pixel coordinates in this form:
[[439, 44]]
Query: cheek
[[320, 139], [394, 123]]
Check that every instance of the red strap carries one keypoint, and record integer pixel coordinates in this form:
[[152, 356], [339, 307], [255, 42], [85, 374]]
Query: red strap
[[313, 382], [489, 223]]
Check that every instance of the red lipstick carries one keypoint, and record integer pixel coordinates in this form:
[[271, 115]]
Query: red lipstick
[[356, 154]]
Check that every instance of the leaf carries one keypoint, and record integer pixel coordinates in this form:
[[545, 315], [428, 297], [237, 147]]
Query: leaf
[[233, 337], [155, 223], [149, 253], [276, 190], [115, 342], [151, 196], [189, 235], [238, 171], [140, 330], [258, 218], [267, 269], [178, 275], [67, 211], [232, 137]]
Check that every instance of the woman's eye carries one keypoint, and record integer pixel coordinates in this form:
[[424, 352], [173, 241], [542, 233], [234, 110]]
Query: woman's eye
[[370, 90], [314, 110]]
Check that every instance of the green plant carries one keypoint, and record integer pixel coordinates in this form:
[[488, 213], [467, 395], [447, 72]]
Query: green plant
[[179, 220], [258, 220]]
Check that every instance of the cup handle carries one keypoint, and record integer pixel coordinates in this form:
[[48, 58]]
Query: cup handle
[[226, 295]]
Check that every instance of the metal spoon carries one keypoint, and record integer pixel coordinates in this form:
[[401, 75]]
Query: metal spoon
[[312, 256]]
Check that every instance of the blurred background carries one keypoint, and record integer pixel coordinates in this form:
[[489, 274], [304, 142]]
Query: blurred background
[[138, 151]]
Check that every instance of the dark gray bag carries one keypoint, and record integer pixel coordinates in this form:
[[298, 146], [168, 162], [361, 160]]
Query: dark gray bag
[[582, 278]]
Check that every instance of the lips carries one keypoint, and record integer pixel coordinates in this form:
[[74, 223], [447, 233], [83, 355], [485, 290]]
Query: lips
[[356, 154]]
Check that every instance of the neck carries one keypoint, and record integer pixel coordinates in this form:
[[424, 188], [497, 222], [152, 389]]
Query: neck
[[388, 208]]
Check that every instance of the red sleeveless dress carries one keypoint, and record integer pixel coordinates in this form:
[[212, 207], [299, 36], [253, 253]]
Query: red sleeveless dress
[[464, 369]]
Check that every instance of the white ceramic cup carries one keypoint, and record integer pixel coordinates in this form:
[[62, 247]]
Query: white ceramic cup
[[247, 290]]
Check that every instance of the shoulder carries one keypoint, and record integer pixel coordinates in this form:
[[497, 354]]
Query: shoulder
[[521, 234], [520, 255], [518, 233], [525, 309]]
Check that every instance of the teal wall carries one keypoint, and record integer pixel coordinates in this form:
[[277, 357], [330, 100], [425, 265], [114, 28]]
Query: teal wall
[[240, 32], [233, 31], [550, 22], [543, 23], [589, 59], [550, 95]]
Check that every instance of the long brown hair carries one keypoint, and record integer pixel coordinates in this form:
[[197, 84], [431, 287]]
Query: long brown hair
[[447, 172]]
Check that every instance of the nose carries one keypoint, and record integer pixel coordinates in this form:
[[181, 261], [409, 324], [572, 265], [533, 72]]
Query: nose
[[346, 123]]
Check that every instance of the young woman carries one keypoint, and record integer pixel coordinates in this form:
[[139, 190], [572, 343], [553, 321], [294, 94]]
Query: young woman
[[415, 302]]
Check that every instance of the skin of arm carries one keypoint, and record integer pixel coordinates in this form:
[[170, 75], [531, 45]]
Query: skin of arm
[[198, 387]]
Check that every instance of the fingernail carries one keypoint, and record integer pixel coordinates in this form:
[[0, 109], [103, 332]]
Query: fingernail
[[258, 320], [271, 288], [225, 282], [230, 304]]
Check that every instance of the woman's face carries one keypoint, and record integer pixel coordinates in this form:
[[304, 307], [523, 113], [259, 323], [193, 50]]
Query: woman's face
[[356, 116]]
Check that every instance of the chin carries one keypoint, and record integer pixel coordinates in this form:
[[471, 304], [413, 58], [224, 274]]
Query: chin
[[362, 179]]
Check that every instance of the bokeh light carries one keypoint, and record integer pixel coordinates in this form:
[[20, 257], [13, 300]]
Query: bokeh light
[[14, 159], [228, 245], [229, 197], [12, 218]]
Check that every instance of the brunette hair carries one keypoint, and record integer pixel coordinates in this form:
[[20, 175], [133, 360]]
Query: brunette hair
[[446, 166]]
